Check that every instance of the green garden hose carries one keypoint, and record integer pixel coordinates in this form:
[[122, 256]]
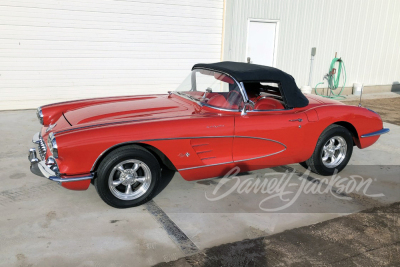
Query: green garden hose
[[333, 79]]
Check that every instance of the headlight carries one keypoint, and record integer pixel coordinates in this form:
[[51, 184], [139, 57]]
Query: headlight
[[51, 142], [39, 114]]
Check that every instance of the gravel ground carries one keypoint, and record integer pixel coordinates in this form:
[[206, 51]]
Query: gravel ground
[[387, 108], [368, 238]]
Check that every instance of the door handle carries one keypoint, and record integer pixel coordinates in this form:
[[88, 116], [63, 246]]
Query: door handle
[[299, 120]]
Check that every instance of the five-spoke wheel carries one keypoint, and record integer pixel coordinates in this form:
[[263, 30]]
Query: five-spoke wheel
[[127, 177], [332, 152]]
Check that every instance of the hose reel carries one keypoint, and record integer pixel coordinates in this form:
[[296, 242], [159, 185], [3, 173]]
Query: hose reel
[[333, 79]]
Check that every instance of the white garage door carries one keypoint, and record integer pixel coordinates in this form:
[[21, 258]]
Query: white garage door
[[61, 50]]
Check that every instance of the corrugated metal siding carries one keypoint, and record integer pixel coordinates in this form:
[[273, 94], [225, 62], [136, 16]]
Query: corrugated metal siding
[[365, 33], [60, 50]]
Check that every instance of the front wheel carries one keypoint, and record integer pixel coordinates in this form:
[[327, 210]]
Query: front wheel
[[332, 152], [127, 177]]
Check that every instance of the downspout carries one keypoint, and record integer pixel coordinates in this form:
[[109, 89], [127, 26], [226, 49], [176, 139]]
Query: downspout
[[223, 30]]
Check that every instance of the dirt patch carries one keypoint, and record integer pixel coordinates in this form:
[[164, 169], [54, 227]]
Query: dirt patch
[[368, 238], [387, 108]]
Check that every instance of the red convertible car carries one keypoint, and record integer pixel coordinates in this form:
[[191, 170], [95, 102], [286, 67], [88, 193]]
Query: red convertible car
[[223, 115]]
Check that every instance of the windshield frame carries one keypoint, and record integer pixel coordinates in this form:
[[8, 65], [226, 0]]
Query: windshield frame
[[240, 85]]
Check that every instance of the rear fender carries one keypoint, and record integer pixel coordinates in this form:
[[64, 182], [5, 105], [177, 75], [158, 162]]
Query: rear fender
[[357, 120]]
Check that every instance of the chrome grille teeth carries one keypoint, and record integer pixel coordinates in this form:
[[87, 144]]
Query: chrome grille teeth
[[42, 148]]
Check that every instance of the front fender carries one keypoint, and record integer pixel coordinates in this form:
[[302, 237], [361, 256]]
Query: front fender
[[80, 149]]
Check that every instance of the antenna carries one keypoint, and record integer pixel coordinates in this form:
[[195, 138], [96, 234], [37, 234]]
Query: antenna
[[362, 89]]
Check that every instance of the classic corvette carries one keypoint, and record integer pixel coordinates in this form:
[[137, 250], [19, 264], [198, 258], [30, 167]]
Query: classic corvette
[[223, 115]]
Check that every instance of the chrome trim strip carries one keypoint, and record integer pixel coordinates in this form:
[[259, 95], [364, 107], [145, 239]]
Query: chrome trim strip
[[261, 156], [383, 131], [216, 164], [51, 175], [263, 110], [66, 180], [206, 151], [179, 138], [208, 158], [110, 123], [252, 137]]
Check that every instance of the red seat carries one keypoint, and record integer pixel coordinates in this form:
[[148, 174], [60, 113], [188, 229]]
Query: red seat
[[220, 102], [268, 104]]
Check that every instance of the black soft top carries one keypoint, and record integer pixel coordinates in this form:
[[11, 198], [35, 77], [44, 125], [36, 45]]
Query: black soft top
[[245, 72]]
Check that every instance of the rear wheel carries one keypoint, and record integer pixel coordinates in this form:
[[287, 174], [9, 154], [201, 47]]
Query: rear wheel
[[332, 152], [127, 177]]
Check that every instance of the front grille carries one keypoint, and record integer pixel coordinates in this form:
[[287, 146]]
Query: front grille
[[42, 148]]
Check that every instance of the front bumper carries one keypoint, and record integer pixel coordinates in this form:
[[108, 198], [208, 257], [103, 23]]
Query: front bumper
[[50, 171]]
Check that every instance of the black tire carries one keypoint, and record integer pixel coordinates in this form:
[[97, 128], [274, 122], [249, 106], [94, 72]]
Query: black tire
[[124, 156], [335, 132]]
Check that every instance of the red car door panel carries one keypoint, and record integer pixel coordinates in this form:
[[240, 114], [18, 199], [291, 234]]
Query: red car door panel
[[269, 138]]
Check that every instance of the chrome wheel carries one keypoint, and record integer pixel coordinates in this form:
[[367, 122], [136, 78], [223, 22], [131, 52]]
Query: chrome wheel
[[334, 151], [129, 179]]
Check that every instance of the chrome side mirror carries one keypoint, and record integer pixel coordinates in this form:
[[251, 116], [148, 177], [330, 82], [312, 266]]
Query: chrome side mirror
[[248, 105]]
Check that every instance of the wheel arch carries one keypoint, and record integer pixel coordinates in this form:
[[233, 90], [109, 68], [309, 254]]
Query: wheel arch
[[158, 154], [350, 127]]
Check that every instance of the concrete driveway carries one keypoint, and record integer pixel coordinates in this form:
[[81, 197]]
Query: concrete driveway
[[43, 224]]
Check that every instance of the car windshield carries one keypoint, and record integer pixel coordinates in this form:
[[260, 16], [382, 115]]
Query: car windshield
[[211, 88]]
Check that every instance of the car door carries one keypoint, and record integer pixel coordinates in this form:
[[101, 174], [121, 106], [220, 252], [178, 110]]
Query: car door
[[268, 138]]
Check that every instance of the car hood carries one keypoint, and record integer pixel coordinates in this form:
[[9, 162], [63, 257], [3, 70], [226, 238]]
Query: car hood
[[125, 109]]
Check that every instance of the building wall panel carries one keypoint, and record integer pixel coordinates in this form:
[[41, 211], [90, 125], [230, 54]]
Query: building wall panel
[[365, 33], [61, 50]]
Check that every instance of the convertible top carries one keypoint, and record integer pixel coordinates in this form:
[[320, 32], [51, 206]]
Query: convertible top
[[245, 72]]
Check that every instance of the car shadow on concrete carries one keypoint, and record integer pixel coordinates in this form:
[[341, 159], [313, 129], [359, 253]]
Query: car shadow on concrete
[[166, 177]]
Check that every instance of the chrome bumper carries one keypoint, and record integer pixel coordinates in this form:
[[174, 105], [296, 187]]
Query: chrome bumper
[[380, 132], [40, 168]]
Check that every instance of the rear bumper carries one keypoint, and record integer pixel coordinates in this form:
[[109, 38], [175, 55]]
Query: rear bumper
[[50, 171], [380, 132]]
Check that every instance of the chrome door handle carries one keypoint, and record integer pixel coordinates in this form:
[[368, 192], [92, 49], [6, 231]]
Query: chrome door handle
[[299, 120]]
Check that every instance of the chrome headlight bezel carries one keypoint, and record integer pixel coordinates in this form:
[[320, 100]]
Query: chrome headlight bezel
[[39, 115], [52, 143]]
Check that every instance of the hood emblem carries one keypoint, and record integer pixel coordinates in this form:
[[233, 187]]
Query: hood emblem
[[51, 126]]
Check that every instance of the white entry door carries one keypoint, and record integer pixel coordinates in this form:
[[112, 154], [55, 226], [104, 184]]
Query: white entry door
[[262, 42]]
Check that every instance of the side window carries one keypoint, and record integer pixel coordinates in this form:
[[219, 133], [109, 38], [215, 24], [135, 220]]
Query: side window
[[213, 89], [266, 96], [218, 90]]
